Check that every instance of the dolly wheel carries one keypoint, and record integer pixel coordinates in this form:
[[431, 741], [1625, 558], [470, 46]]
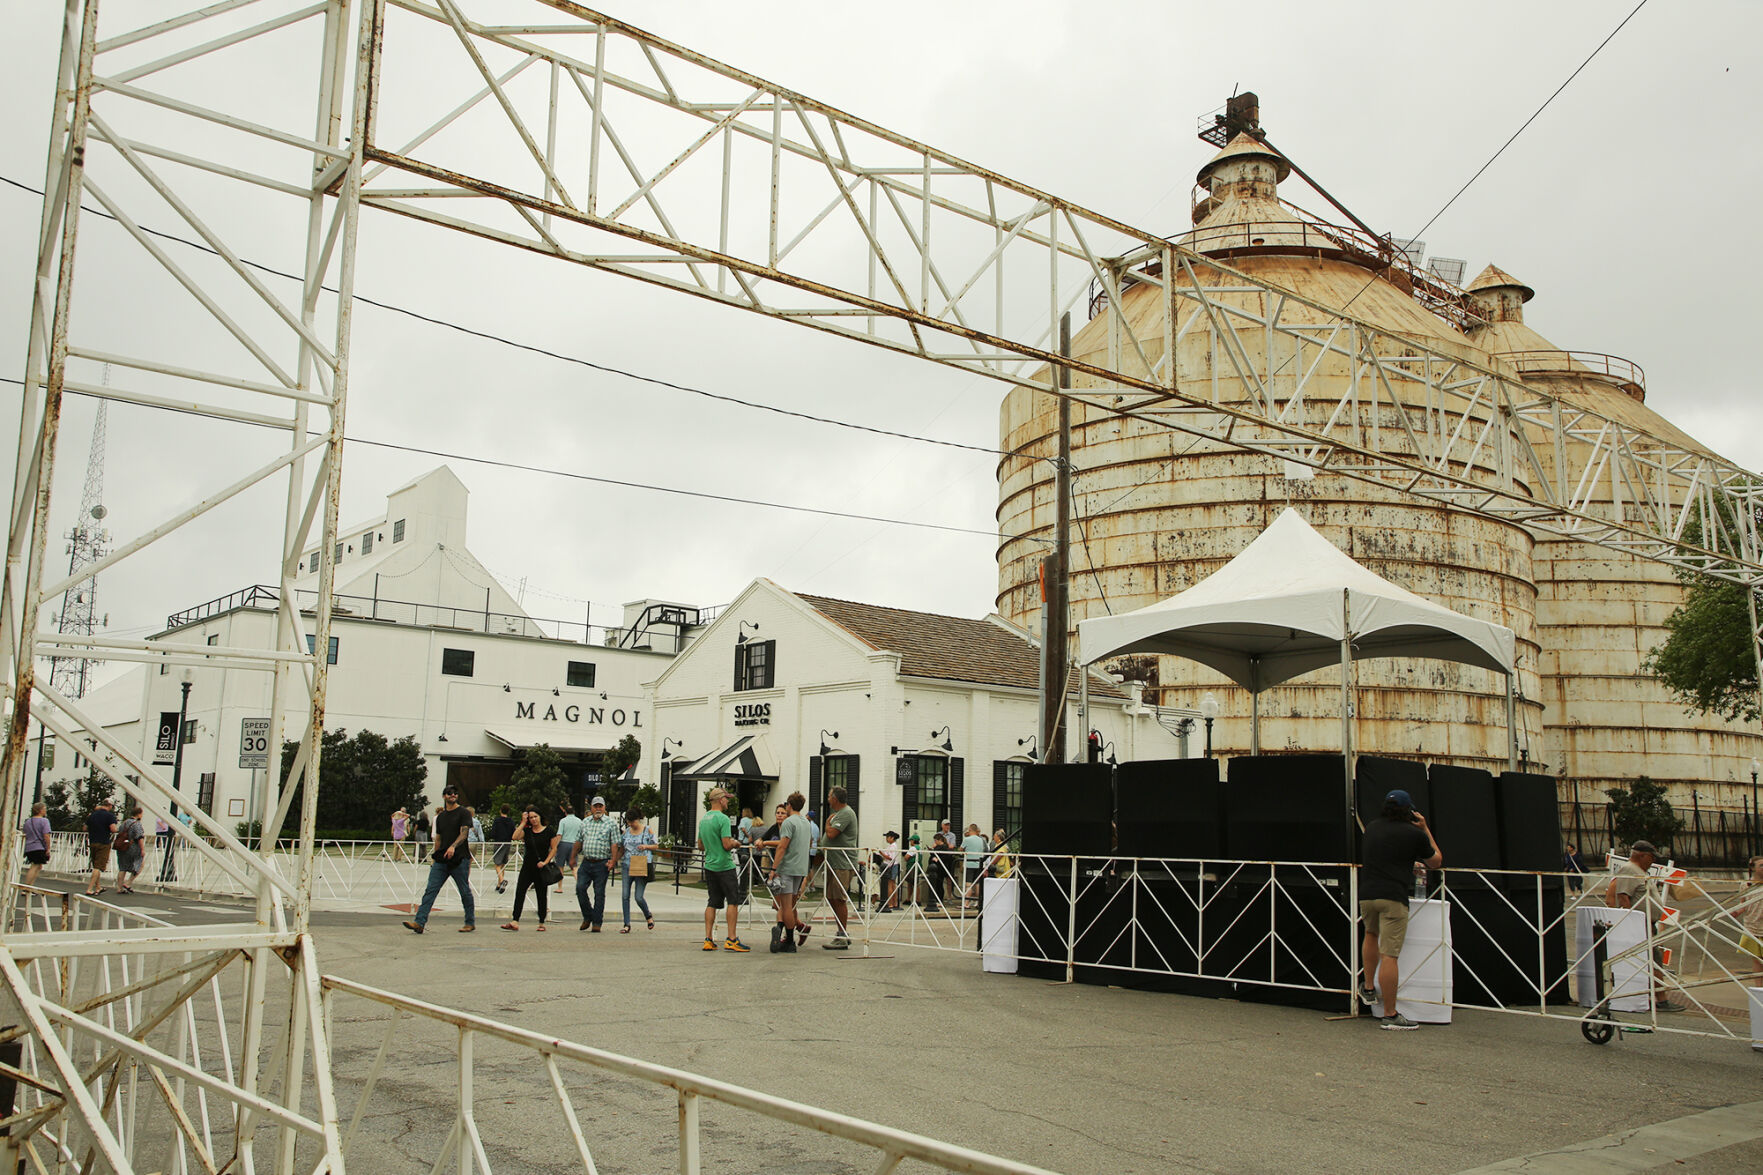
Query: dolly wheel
[[1598, 1028]]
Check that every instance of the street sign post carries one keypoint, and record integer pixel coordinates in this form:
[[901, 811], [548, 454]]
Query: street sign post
[[254, 744]]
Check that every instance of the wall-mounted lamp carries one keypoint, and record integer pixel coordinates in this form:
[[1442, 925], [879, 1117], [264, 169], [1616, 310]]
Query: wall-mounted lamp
[[1032, 742], [824, 749], [1209, 712], [555, 692], [741, 631], [442, 737], [506, 688], [667, 754], [602, 695], [948, 743]]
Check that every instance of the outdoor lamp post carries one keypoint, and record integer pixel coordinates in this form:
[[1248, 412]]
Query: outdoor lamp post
[[1209, 712], [177, 755]]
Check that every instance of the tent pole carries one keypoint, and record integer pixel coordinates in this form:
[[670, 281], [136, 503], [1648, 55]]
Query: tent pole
[[1254, 720], [1347, 702], [1511, 723]]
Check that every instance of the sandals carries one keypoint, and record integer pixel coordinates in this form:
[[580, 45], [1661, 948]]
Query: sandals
[[625, 930], [541, 926], [651, 923], [510, 926]]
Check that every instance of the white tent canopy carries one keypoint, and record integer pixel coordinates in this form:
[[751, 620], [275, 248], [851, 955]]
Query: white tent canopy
[[1292, 602]]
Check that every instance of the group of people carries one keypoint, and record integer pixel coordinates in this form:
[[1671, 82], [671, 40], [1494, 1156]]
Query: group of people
[[595, 847], [784, 856], [110, 838]]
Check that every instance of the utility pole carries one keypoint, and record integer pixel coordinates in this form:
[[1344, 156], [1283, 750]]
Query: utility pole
[[1055, 584]]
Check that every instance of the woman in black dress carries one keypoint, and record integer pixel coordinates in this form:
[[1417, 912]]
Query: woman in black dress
[[538, 845]]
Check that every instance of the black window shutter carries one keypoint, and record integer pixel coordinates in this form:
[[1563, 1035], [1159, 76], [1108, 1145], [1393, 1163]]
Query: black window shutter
[[957, 771], [815, 785], [738, 660], [851, 781], [909, 799], [1000, 793], [771, 668]]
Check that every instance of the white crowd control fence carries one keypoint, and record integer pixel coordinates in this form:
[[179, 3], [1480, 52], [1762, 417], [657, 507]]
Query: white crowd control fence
[[475, 1044], [1509, 941]]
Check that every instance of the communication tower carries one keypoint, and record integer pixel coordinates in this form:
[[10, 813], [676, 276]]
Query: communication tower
[[86, 544]]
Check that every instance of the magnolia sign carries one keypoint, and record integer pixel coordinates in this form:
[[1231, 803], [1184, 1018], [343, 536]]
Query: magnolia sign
[[596, 715]]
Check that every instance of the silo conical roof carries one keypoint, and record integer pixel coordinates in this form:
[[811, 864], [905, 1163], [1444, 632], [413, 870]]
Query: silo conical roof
[[1494, 278], [1244, 146]]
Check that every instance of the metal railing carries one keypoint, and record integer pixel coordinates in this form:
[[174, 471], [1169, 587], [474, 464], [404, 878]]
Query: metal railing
[[1622, 371], [464, 1143], [471, 619]]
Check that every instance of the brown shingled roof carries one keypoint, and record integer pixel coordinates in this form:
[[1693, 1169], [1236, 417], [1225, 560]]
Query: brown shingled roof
[[949, 647]]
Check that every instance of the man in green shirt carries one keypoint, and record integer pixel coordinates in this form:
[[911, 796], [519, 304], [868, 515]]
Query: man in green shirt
[[722, 883], [840, 841]]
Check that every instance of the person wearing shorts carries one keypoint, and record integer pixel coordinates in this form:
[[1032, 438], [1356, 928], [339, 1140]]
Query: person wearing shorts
[[100, 831], [789, 869], [840, 840], [36, 842], [1393, 842], [722, 881]]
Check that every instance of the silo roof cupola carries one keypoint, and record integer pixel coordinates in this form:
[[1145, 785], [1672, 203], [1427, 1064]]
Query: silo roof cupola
[[1228, 166], [1497, 296]]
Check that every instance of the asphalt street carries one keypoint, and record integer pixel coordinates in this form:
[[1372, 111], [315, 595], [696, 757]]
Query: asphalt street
[[1072, 1078]]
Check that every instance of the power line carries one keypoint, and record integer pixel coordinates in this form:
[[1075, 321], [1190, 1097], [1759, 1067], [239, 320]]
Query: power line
[[651, 487]]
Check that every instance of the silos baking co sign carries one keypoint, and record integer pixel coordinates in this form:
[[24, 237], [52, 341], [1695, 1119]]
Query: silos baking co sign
[[753, 714]]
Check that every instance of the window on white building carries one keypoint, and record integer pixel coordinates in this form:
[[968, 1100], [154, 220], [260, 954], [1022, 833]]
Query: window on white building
[[367, 543], [755, 665], [312, 643], [398, 531], [458, 662], [581, 674]]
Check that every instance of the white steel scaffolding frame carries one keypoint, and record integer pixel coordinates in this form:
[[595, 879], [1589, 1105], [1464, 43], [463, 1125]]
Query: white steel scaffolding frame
[[642, 158]]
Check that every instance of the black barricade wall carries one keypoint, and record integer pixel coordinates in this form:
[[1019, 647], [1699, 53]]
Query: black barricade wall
[[1465, 821], [1067, 809], [1308, 946], [1495, 936], [1287, 808], [1170, 808], [1375, 777], [1530, 823]]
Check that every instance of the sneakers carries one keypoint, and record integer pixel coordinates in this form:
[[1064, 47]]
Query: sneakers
[[837, 944], [733, 944], [1397, 1023], [709, 943], [1368, 997], [1668, 1006], [416, 926], [788, 945], [777, 934], [802, 933]]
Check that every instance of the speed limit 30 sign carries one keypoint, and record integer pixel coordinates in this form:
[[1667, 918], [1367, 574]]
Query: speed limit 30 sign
[[254, 744]]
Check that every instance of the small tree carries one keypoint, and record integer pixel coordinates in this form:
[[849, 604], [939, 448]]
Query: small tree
[[1641, 812], [648, 800], [539, 781]]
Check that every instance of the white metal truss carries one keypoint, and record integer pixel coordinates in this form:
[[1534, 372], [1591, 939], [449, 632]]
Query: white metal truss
[[577, 136], [128, 138]]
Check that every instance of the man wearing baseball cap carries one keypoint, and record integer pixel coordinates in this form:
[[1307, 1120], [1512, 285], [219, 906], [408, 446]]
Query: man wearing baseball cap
[[1393, 842], [1632, 885], [452, 859]]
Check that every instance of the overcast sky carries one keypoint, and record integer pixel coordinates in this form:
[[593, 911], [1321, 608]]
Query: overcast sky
[[1630, 205]]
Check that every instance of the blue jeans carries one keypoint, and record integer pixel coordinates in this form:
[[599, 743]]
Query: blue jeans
[[639, 884], [596, 872], [459, 869]]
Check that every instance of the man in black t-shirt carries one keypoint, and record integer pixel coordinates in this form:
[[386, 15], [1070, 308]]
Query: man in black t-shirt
[[100, 833], [452, 860], [1393, 842]]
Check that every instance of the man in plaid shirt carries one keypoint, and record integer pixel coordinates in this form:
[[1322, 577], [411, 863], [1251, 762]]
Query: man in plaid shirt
[[594, 839]]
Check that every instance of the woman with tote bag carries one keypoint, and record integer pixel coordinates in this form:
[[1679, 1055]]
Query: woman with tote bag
[[635, 852]]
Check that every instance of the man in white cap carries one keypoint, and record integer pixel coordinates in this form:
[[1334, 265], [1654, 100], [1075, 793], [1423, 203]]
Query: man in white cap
[[594, 854]]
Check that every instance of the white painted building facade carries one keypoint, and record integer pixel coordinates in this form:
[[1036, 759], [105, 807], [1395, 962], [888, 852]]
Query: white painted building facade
[[920, 716]]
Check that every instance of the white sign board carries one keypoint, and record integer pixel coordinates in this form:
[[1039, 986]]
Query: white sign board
[[254, 744]]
